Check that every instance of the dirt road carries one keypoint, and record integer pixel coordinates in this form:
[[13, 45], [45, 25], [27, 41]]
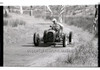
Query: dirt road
[[19, 49]]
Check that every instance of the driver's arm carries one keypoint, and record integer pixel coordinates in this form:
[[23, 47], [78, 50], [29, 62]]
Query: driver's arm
[[61, 25]]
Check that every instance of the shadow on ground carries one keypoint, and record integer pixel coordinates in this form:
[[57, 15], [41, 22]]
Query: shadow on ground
[[32, 45], [43, 45]]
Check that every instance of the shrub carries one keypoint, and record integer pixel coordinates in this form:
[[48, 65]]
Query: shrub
[[48, 17], [84, 22], [5, 14], [5, 23], [21, 22], [17, 22], [13, 22]]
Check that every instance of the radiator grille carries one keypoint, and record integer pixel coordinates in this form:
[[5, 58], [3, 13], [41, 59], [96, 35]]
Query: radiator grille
[[50, 37]]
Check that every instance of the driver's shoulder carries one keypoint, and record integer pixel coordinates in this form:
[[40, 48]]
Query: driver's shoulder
[[60, 24]]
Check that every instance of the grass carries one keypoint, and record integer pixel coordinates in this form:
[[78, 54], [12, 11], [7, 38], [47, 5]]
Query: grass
[[13, 22], [85, 23], [83, 55]]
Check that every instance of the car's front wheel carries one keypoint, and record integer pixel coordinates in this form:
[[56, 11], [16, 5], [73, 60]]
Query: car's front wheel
[[36, 39], [44, 37]]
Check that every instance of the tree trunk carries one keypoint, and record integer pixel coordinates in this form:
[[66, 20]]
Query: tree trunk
[[21, 10]]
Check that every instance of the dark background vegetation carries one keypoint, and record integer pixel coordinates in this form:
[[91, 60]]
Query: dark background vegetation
[[78, 15]]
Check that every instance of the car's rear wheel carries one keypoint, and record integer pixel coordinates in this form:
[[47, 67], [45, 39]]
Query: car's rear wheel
[[36, 39], [64, 40], [70, 37]]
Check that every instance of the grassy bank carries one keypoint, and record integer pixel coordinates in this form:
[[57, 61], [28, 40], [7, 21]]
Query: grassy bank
[[85, 23], [84, 55]]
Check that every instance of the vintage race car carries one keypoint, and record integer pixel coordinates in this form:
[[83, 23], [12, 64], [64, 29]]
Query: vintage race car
[[52, 36]]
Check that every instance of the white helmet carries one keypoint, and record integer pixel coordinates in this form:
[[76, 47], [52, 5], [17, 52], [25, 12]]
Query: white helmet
[[54, 20]]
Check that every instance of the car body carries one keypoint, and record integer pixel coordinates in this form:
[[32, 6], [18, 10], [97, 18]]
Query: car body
[[52, 36]]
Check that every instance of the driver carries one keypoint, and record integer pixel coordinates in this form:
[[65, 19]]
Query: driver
[[57, 26]]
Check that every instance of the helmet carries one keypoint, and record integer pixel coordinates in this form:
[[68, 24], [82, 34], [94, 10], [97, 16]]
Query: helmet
[[54, 20]]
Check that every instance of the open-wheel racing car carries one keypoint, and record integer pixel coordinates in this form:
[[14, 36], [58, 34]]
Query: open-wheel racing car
[[52, 36]]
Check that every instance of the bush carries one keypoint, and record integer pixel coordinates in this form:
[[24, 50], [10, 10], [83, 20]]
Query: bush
[[84, 22], [22, 22], [17, 22], [13, 22], [5, 14], [48, 17], [5, 23]]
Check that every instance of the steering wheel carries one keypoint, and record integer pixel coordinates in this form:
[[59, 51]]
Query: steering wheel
[[51, 27]]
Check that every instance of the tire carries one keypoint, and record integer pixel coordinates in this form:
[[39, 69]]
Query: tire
[[44, 37], [70, 37], [64, 40], [34, 36], [36, 39]]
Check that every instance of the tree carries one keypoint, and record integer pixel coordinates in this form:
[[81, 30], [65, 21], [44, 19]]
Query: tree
[[21, 10], [95, 24], [57, 10]]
